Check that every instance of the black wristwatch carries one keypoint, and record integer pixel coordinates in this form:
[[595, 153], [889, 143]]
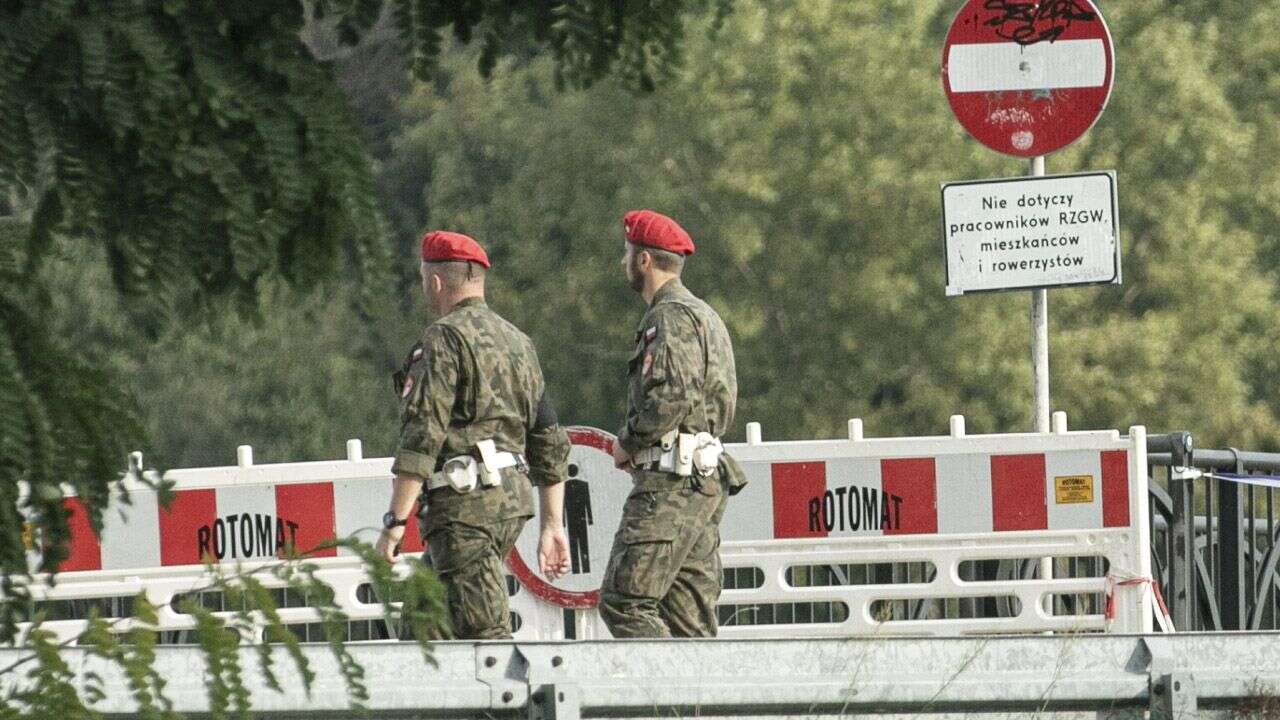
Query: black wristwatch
[[389, 521]]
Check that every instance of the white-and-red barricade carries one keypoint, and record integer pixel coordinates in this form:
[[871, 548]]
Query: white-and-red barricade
[[830, 538], [943, 505]]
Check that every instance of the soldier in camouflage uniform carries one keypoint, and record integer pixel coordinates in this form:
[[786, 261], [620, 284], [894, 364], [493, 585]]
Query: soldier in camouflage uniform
[[474, 377], [663, 577]]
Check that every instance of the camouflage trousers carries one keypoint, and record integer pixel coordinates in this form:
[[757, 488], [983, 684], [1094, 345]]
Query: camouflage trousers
[[663, 578], [468, 559]]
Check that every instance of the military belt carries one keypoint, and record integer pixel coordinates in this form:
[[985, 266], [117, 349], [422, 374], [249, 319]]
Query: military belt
[[497, 462], [684, 454]]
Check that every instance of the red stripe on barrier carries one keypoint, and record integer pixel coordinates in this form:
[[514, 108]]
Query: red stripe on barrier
[[85, 552], [309, 507], [909, 493], [797, 499], [182, 541], [1017, 493], [1115, 488]]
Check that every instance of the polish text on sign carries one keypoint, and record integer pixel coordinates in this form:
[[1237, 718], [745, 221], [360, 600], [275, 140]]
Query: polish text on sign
[[1033, 232]]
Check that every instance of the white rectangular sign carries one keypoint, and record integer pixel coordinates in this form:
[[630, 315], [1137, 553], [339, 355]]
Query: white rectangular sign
[[1031, 232], [1005, 66]]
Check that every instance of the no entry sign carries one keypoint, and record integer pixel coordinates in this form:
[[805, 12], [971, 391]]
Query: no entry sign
[[1027, 77]]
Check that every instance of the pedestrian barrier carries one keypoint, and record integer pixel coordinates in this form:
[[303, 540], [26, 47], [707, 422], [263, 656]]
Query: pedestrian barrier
[[887, 535], [956, 534]]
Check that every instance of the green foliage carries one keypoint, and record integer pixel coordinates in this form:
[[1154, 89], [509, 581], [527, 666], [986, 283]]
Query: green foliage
[[51, 692], [221, 653], [134, 651], [638, 42], [202, 153], [64, 420], [813, 200], [296, 381], [803, 149], [198, 148], [414, 604], [198, 143], [252, 622], [199, 151]]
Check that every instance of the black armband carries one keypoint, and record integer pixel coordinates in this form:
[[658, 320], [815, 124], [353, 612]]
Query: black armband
[[545, 415]]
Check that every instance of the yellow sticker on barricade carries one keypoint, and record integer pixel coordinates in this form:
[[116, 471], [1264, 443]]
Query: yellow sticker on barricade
[[1068, 489]]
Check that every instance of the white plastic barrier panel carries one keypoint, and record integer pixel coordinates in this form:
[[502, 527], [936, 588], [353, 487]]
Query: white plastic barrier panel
[[830, 538], [245, 516], [862, 536]]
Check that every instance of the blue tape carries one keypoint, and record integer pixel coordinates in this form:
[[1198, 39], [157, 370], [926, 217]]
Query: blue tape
[[1271, 481]]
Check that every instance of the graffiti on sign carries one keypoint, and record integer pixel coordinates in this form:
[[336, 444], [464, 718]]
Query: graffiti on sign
[[1028, 23]]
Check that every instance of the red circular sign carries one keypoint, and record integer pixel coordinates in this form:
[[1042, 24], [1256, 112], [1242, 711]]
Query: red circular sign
[[594, 494], [1027, 77]]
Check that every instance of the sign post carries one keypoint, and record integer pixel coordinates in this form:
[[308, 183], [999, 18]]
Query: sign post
[[1026, 78], [1040, 337]]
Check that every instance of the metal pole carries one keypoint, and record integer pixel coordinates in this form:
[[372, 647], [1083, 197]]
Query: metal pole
[[1040, 336], [1040, 371], [1232, 586]]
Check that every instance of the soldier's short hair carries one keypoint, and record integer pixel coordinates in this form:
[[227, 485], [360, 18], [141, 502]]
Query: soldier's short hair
[[457, 273], [665, 260]]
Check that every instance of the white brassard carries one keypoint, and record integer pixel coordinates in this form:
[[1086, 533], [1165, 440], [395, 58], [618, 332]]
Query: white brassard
[[491, 475]]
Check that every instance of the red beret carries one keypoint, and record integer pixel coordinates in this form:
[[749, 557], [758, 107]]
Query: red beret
[[655, 230], [445, 246]]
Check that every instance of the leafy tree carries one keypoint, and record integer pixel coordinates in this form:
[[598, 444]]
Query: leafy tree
[[59, 424], [203, 151], [802, 146], [295, 379], [41, 684], [203, 148], [205, 136], [803, 149], [1185, 339]]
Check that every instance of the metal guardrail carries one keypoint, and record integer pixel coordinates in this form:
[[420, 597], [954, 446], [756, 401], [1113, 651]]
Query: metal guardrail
[[1215, 542], [1113, 676]]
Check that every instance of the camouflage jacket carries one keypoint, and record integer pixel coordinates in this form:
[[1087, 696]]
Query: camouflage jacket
[[475, 376], [681, 373]]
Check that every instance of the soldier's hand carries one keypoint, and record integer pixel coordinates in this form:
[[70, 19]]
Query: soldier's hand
[[389, 543], [621, 458], [553, 552]]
